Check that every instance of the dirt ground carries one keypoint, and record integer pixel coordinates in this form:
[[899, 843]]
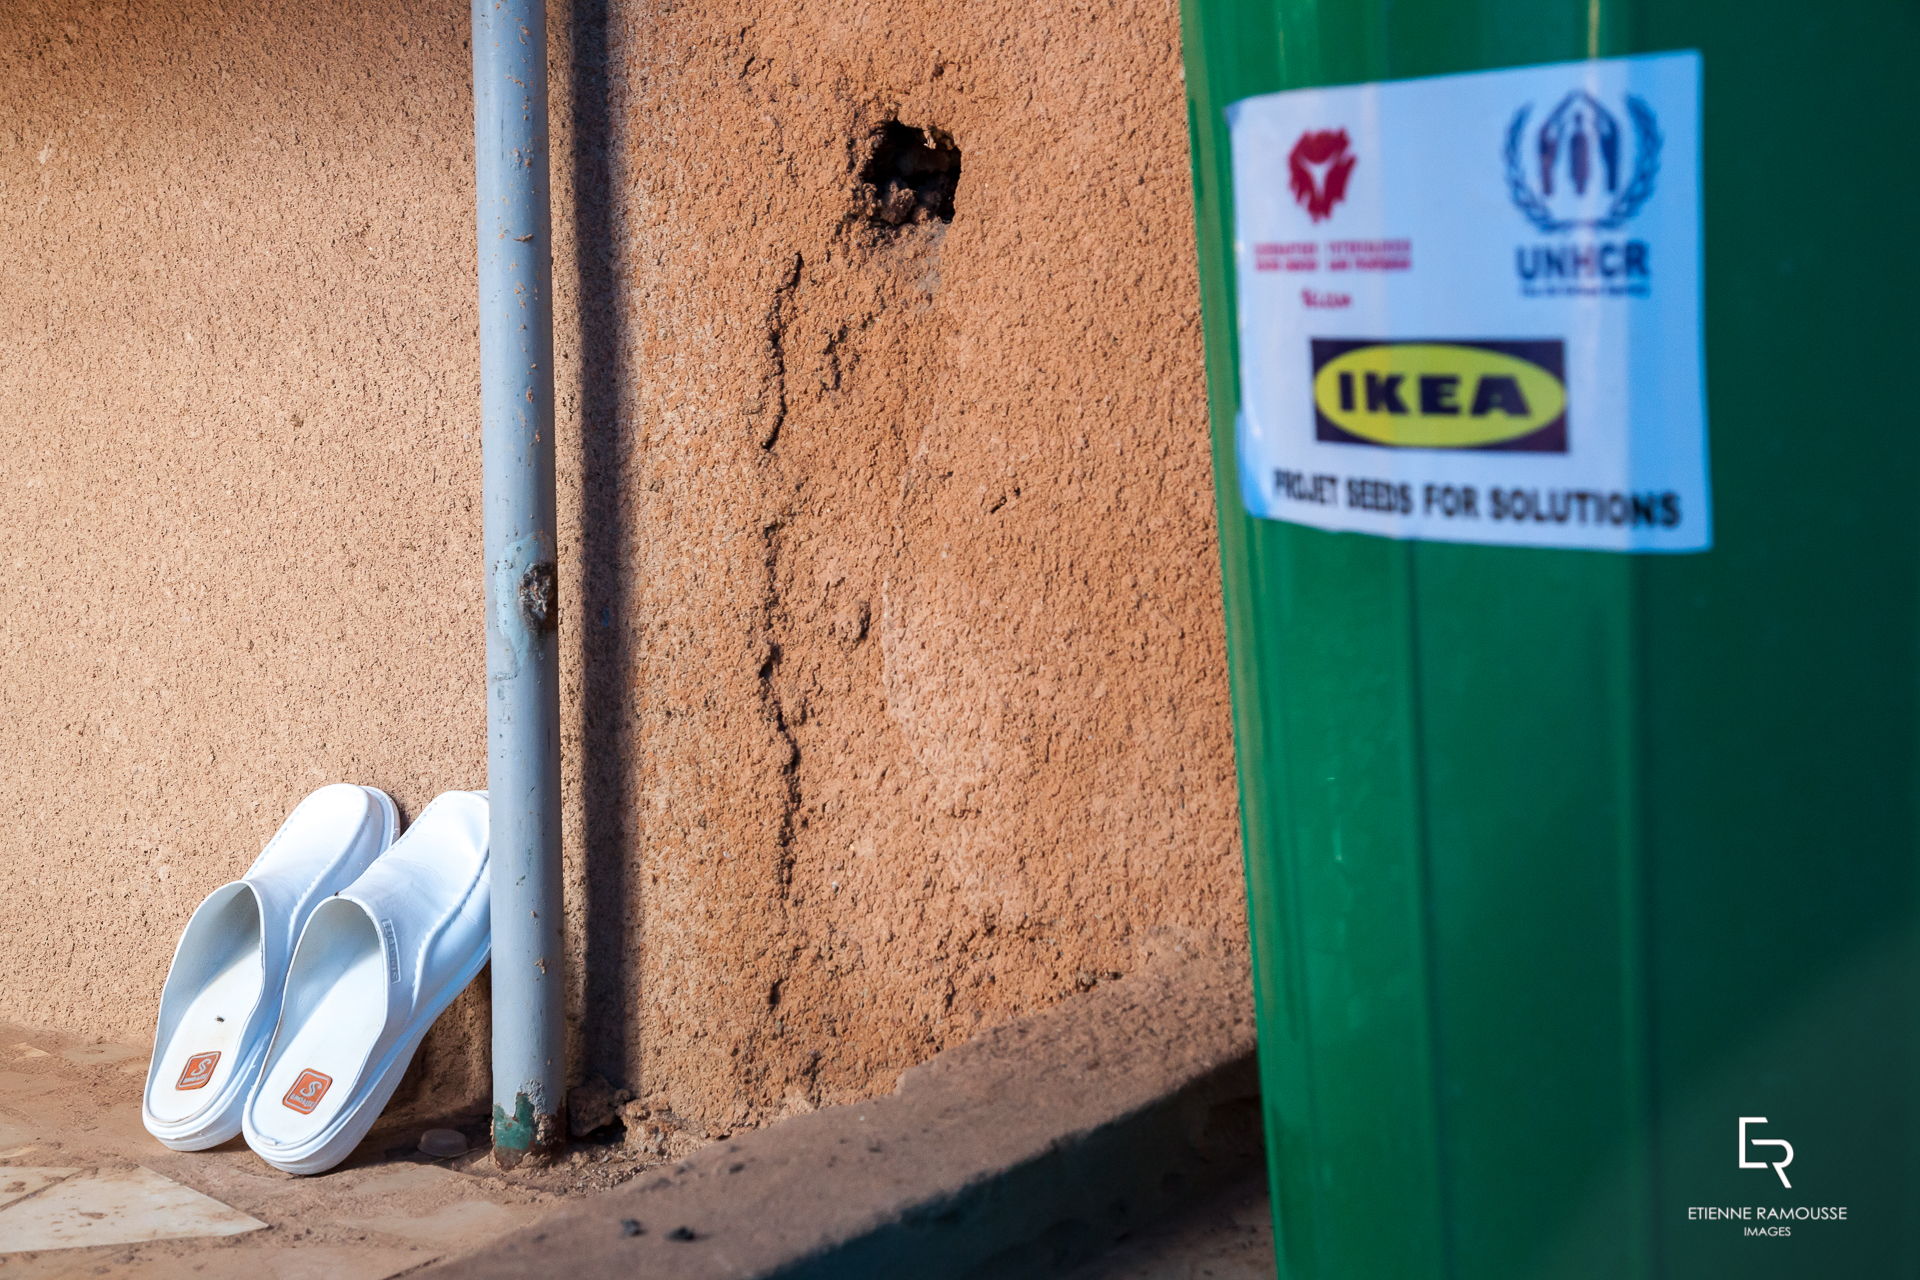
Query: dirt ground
[[74, 1106]]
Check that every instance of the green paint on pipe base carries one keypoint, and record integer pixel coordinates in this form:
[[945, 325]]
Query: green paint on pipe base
[[514, 1132]]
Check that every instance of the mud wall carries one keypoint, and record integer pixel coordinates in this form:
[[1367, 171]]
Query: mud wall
[[895, 699]]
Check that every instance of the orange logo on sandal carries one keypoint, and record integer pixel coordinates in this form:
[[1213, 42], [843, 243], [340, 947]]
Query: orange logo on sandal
[[307, 1091], [198, 1071]]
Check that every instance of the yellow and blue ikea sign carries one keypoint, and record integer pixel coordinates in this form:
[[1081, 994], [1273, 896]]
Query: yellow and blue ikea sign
[[1441, 393]]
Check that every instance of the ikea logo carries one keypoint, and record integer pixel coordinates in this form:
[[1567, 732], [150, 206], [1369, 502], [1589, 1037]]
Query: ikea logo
[[1433, 393]]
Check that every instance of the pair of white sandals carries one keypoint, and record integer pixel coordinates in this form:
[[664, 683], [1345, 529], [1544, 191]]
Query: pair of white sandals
[[299, 992]]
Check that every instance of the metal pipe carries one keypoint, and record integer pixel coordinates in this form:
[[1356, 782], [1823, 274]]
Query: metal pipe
[[523, 710]]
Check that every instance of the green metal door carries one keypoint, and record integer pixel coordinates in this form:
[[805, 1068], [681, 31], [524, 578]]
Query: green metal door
[[1562, 863]]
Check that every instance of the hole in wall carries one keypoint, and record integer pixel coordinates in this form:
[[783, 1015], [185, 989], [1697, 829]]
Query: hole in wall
[[909, 175]]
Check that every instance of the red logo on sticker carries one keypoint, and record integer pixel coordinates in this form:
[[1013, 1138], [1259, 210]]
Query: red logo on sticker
[[198, 1071], [1318, 168], [307, 1091]]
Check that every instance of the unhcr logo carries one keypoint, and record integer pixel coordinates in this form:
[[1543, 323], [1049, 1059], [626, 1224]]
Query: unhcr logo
[[1441, 394], [1576, 169]]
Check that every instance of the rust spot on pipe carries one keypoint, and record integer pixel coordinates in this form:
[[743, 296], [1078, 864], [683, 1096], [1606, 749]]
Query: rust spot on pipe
[[539, 586]]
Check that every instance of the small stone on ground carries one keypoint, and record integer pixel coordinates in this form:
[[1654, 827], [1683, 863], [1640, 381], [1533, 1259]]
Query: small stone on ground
[[443, 1144]]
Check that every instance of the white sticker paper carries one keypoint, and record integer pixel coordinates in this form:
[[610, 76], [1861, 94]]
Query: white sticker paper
[[1470, 306]]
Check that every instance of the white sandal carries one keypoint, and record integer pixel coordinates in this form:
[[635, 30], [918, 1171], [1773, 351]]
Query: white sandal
[[223, 993], [375, 966]]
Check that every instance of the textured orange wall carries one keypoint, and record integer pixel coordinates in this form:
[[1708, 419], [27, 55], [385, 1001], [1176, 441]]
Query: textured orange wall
[[895, 695]]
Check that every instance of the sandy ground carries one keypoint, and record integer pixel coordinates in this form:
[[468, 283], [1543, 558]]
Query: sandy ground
[[73, 1105], [389, 1209]]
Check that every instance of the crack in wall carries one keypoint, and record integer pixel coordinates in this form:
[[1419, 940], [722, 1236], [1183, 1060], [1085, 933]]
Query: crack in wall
[[788, 745], [779, 315], [785, 957], [806, 623]]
